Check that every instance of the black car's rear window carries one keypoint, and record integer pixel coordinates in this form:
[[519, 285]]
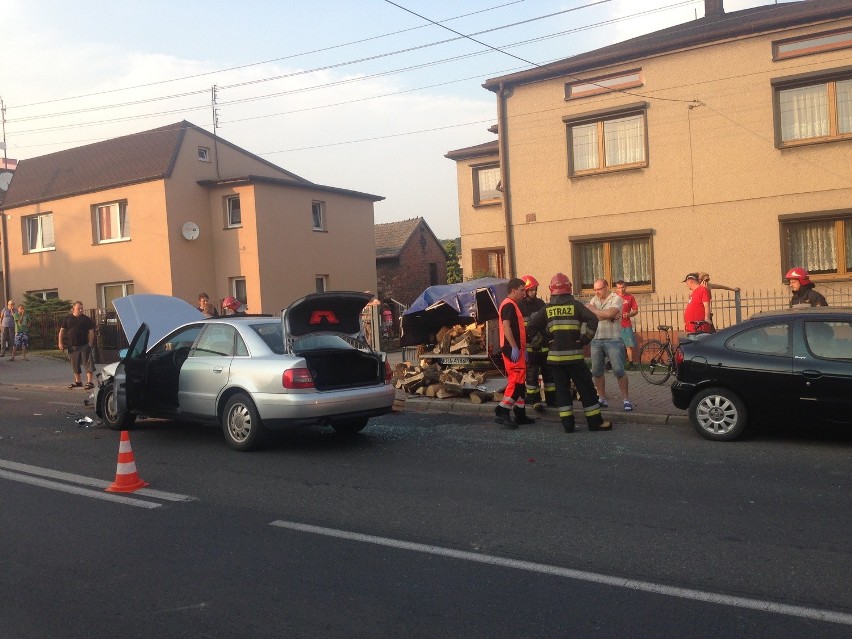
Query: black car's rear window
[[271, 334]]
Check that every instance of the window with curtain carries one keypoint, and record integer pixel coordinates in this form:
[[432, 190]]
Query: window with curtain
[[823, 246], [486, 184], [40, 235], [113, 224], [817, 111], [614, 142], [627, 259]]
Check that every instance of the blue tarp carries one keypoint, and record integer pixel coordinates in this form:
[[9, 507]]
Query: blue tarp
[[450, 304]]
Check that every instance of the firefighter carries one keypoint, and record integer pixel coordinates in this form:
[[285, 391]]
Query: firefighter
[[802, 289], [571, 326], [537, 347]]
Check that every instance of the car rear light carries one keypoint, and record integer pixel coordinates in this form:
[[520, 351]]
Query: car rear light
[[297, 378], [678, 358], [388, 373]]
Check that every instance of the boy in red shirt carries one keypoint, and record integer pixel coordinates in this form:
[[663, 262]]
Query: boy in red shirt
[[628, 310]]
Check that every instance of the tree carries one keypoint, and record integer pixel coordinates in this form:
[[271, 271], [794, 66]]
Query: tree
[[454, 271], [36, 304]]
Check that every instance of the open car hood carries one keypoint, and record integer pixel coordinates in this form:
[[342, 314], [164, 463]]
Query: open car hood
[[162, 314], [337, 312]]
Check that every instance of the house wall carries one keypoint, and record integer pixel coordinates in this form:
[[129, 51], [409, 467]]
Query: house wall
[[406, 277], [714, 186]]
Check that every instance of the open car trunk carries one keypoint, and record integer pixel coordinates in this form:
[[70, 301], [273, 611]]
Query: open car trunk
[[334, 369]]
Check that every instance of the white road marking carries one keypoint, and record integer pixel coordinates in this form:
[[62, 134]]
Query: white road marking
[[819, 614], [76, 490], [11, 399], [87, 481]]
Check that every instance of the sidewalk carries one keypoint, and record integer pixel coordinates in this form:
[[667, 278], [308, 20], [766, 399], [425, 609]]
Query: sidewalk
[[651, 404]]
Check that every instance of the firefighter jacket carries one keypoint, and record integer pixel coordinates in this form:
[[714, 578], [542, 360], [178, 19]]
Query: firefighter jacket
[[537, 341], [807, 295], [570, 325]]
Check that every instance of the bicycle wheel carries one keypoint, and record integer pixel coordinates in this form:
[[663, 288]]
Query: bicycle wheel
[[655, 361]]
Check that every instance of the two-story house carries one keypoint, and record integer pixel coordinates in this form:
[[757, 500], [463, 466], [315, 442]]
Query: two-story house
[[721, 145], [177, 211]]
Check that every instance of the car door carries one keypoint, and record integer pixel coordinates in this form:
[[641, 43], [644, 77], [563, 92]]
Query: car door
[[130, 374], [823, 367], [206, 370]]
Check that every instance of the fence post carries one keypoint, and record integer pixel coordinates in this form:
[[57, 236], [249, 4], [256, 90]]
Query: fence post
[[738, 307]]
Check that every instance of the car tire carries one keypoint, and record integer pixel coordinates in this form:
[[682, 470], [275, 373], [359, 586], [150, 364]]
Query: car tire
[[113, 419], [718, 414], [241, 423], [350, 427]]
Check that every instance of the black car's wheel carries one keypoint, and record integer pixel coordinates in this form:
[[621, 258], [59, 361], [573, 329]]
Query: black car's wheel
[[718, 414], [113, 418], [351, 427], [241, 424], [655, 362]]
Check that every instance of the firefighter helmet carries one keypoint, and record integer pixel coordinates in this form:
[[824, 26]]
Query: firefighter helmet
[[560, 284], [798, 273], [231, 303], [529, 282]]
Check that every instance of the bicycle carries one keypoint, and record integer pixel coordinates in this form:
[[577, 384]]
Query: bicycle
[[660, 356], [657, 359]]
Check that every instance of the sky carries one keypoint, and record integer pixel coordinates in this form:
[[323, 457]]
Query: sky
[[358, 94]]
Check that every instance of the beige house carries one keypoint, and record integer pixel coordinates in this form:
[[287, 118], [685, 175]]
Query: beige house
[[177, 211], [720, 145]]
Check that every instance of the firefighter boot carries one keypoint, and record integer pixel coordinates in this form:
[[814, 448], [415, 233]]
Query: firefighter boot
[[504, 418], [596, 422], [521, 417], [568, 424]]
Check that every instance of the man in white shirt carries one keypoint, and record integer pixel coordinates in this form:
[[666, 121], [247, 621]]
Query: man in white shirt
[[607, 342]]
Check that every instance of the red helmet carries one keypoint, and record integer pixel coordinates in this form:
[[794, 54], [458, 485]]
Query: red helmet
[[798, 273], [232, 303], [560, 284], [529, 282]]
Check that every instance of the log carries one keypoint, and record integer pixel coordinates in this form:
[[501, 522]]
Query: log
[[445, 393], [432, 390], [479, 397], [459, 344]]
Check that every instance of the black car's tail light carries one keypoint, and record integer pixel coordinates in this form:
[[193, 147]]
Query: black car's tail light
[[297, 378], [678, 357]]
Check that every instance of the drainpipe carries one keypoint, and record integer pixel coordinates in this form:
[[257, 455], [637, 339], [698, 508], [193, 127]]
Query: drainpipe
[[4, 236], [503, 146]]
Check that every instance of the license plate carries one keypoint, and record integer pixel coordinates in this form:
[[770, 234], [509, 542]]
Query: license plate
[[455, 360]]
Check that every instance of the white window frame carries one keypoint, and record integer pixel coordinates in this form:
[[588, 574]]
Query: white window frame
[[118, 217], [203, 154], [238, 289], [229, 212], [45, 294], [124, 288], [45, 237], [318, 215], [321, 283]]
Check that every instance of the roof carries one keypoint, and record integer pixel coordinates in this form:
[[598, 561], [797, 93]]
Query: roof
[[392, 237], [709, 29], [470, 152], [129, 159], [304, 184]]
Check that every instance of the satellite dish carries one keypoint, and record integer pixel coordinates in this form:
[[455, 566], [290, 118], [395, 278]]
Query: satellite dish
[[190, 230]]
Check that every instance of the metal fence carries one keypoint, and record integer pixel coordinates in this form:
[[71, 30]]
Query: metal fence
[[44, 331]]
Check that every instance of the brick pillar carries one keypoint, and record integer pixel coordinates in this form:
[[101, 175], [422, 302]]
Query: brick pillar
[[714, 8]]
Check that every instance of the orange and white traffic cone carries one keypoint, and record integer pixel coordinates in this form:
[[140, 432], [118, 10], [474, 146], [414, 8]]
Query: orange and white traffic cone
[[126, 478]]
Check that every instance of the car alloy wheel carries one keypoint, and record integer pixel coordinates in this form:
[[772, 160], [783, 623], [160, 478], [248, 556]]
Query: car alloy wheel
[[717, 414], [113, 419], [241, 423]]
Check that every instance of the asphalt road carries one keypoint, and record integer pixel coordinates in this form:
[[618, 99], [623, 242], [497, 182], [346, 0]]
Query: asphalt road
[[425, 525]]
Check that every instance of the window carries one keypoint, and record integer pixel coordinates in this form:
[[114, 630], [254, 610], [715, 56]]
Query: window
[[203, 154], [607, 141], [823, 246], [829, 340], [814, 43], [39, 233], [238, 289], [603, 84], [51, 294], [321, 282], [486, 184], [613, 258], [813, 110], [766, 340], [217, 340], [112, 222], [318, 215], [235, 218], [109, 292], [490, 262]]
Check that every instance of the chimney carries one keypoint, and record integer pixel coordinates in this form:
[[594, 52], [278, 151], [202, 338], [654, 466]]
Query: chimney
[[713, 8]]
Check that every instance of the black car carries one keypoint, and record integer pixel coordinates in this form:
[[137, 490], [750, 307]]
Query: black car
[[791, 365]]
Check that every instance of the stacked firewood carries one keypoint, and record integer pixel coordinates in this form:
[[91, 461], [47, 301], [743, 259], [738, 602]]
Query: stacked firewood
[[460, 340], [430, 380]]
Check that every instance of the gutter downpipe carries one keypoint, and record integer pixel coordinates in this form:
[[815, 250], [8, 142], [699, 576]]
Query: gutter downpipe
[[503, 135]]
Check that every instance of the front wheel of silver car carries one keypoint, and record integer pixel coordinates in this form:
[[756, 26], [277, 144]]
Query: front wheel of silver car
[[718, 414], [241, 423], [113, 418]]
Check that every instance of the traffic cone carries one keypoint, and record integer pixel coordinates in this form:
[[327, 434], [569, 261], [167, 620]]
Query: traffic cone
[[126, 478]]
